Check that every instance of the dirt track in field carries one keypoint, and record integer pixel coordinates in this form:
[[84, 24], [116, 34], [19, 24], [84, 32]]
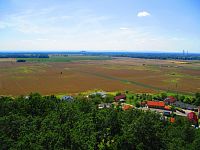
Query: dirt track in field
[[137, 75]]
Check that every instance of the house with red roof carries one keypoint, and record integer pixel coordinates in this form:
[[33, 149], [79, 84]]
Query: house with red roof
[[155, 104], [120, 98], [192, 117], [167, 108], [170, 100], [127, 107]]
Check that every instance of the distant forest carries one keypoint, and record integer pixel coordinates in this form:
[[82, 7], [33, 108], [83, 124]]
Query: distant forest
[[163, 56], [23, 55]]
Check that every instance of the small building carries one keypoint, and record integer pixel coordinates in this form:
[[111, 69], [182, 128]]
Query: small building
[[26, 97], [172, 119], [104, 105], [170, 100], [143, 104], [120, 98], [101, 94], [166, 113], [192, 117], [67, 98], [100, 106], [155, 104], [167, 108], [127, 107]]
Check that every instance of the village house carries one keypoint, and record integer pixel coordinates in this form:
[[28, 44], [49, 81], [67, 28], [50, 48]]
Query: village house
[[26, 97], [184, 105], [167, 113], [104, 105], [67, 98], [120, 98], [167, 108], [127, 107], [101, 94], [193, 118], [155, 104], [143, 104], [170, 100]]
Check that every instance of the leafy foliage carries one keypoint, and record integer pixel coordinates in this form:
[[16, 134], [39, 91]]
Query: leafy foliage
[[45, 122]]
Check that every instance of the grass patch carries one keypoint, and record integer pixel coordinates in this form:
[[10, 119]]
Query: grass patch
[[24, 69], [174, 80]]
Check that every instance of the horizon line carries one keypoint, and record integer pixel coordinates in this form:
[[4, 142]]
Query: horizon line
[[94, 51]]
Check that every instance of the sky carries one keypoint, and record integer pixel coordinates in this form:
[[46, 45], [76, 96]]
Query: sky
[[100, 25]]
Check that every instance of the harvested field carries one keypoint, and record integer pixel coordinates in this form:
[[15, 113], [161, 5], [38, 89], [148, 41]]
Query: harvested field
[[137, 75]]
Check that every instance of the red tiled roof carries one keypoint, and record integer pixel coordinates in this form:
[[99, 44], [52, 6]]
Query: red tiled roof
[[122, 96], [192, 116], [172, 120], [170, 99], [126, 107], [154, 103], [167, 107]]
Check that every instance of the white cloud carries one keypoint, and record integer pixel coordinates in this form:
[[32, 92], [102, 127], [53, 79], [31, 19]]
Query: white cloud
[[123, 28], [143, 14]]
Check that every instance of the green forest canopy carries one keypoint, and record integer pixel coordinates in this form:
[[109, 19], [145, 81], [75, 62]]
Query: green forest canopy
[[46, 122]]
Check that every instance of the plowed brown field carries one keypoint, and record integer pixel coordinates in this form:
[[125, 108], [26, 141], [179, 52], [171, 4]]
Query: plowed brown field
[[137, 75]]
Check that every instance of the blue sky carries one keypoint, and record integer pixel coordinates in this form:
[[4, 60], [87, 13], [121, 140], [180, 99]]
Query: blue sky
[[117, 25]]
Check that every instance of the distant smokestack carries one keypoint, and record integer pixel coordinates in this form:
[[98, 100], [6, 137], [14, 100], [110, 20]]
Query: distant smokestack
[[183, 52]]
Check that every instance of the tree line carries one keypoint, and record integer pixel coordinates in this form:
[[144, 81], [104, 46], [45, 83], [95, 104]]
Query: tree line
[[19, 55]]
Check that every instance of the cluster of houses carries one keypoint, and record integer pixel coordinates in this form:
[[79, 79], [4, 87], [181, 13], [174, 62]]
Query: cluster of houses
[[167, 105], [171, 101]]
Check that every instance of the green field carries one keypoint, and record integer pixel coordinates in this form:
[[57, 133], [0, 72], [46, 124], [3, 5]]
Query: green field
[[65, 58]]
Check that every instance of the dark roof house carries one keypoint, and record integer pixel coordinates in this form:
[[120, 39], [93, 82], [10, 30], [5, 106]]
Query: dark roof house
[[184, 105], [67, 98], [143, 104]]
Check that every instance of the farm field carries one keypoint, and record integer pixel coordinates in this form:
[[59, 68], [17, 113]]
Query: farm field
[[83, 74]]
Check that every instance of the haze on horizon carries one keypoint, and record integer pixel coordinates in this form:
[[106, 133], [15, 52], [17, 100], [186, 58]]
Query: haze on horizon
[[142, 25]]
